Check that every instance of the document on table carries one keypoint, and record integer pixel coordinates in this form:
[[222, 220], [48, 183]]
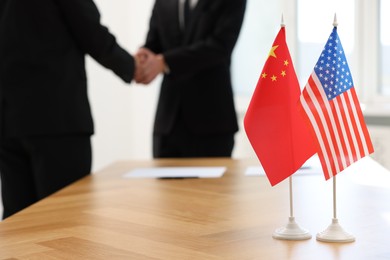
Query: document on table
[[176, 172], [259, 171], [311, 166]]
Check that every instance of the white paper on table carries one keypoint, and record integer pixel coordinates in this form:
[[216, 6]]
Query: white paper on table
[[176, 172], [311, 166], [259, 171]]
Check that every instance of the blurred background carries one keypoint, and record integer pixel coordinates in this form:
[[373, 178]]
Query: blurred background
[[124, 114]]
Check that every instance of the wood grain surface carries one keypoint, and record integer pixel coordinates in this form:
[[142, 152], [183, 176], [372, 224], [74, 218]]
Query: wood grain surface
[[105, 216]]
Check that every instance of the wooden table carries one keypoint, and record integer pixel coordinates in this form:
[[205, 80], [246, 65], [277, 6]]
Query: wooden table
[[105, 216]]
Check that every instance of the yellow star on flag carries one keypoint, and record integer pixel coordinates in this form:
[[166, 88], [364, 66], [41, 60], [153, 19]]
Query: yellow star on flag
[[272, 51]]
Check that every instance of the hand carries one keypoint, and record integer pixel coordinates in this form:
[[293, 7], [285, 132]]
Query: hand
[[149, 66]]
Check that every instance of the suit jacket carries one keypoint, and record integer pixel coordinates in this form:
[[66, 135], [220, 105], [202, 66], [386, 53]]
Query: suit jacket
[[43, 84], [198, 86]]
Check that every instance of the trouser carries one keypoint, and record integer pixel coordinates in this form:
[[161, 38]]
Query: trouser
[[32, 168]]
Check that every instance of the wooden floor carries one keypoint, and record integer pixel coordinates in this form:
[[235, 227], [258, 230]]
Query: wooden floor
[[105, 216]]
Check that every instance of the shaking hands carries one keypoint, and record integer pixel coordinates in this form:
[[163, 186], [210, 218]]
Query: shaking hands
[[149, 65]]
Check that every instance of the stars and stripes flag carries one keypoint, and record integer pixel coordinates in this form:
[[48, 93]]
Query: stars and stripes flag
[[331, 106], [275, 127]]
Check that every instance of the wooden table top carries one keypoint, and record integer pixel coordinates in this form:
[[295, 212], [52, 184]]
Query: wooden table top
[[105, 216]]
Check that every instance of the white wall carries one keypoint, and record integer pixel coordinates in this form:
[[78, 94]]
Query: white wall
[[123, 113]]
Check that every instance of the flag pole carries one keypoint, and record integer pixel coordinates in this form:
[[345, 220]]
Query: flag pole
[[334, 232], [334, 198], [291, 231], [291, 197]]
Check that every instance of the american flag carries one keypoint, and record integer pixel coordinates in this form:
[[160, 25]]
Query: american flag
[[332, 107]]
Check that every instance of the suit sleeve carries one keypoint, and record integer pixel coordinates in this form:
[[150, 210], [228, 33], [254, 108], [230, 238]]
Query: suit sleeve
[[153, 39], [213, 49], [83, 19]]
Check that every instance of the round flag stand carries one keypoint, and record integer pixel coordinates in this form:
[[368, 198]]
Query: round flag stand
[[335, 233], [291, 231]]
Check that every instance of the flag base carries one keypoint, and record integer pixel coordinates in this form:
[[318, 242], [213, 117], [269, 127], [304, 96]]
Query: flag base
[[292, 231], [335, 233]]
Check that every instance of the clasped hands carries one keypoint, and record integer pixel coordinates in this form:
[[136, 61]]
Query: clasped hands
[[148, 66]]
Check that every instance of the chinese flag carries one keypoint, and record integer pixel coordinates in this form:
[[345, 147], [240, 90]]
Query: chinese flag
[[273, 123]]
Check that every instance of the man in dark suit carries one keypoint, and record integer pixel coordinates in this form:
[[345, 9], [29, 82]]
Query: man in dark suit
[[192, 44], [45, 117]]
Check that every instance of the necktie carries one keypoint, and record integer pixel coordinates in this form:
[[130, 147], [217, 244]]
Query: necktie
[[187, 12]]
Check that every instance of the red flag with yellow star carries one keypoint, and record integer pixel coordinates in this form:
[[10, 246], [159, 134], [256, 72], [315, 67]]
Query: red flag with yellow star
[[273, 123]]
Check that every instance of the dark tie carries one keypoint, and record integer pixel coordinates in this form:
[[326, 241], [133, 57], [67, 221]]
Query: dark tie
[[187, 12]]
